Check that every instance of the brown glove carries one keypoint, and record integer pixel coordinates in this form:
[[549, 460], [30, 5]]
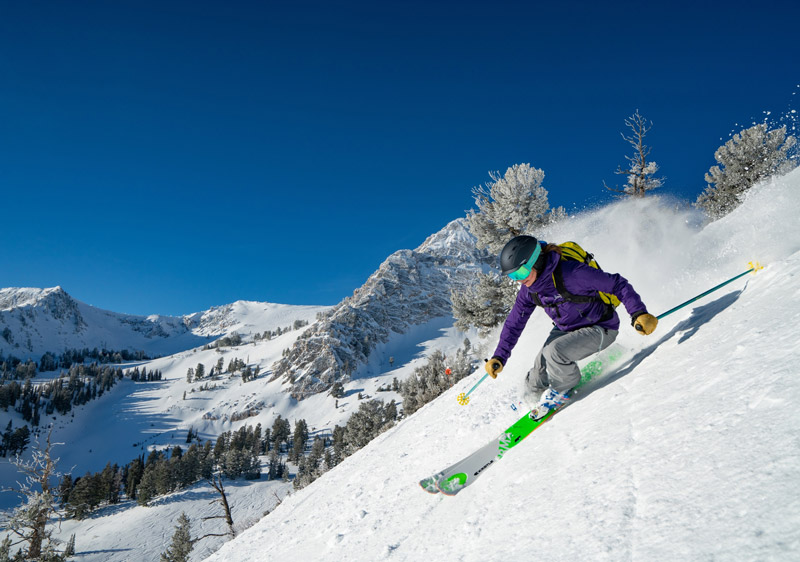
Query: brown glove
[[645, 323], [493, 366]]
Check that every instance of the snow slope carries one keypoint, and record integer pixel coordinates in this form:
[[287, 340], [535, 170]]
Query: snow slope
[[103, 537], [133, 416], [687, 450]]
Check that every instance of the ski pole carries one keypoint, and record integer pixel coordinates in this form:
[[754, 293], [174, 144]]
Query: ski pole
[[463, 398], [754, 267]]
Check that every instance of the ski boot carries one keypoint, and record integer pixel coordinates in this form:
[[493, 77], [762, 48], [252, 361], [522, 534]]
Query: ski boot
[[550, 400]]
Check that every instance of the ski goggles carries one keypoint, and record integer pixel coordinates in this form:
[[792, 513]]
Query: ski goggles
[[525, 269]]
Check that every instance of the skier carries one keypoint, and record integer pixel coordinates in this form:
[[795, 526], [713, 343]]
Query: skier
[[582, 326]]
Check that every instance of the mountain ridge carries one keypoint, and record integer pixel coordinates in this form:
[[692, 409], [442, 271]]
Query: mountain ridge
[[35, 321], [409, 288]]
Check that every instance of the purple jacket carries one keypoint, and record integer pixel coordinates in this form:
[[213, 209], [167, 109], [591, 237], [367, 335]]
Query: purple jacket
[[579, 279]]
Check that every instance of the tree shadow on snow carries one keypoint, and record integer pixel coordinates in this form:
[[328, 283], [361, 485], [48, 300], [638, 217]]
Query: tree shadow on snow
[[83, 553], [686, 329]]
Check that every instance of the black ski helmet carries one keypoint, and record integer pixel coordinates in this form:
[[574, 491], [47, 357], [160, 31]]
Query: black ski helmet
[[516, 252]]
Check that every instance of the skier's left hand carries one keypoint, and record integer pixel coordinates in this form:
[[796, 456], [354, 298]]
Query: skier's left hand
[[645, 324]]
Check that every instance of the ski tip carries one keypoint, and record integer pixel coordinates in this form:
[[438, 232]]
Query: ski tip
[[446, 491], [429, 485], [453, 485]]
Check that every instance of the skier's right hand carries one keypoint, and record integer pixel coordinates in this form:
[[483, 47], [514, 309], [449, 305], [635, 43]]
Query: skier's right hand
[[493, 366], [645, 323]]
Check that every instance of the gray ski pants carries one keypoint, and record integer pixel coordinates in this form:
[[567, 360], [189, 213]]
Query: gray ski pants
[[556, 365]]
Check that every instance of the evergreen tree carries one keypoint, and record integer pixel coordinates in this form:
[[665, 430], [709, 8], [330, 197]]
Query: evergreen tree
[[280, 431], [189, 468], [485, 304], [207, 461], [182, 544], [365, 424], [29, 521], [508, 206], [5, 549], [752, 155], [69, 550], [19, 440], [6, 444], [79, 503], [147, 489], [275, 468], [337, 390], [134, 477], [64, 489], [430, 380], [339, 448], [640, 170], [299, 440]]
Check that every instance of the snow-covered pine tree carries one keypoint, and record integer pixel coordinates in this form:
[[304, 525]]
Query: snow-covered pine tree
[[640, 172], [431, 379], [5, 549], [508, 206], [365, 424], [28, 522], [182, 543], [485, 304], [750, 156], [69, 550]]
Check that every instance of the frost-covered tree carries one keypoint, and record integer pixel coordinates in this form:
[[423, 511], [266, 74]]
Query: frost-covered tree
[[28, 522], [182, 544], [508, 206], [640, 172], [750, 156], [364, 425], [69, 550], [485, 304], [432, 379], [337, 390]]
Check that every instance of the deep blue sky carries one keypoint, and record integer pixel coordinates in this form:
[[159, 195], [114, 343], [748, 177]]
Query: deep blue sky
[[165, 157]]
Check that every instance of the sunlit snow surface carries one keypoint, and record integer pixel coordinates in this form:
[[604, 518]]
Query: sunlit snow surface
[[688, 451]]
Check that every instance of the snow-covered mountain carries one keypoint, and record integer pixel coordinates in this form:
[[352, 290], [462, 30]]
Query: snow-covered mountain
[[35, 321], [410, 288]]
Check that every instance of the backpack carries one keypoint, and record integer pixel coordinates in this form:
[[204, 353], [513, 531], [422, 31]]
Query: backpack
[[573, 251]]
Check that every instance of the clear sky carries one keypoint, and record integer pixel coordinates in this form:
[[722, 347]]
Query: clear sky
[[165, 157]]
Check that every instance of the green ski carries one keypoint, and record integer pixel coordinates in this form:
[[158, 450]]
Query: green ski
[[458, 476]]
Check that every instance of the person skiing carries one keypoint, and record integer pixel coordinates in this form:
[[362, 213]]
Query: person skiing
[[583, 323]]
